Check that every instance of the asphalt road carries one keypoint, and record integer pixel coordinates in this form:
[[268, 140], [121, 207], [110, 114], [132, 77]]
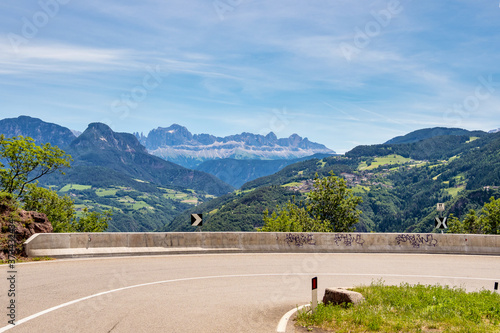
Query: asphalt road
[[209, 293]]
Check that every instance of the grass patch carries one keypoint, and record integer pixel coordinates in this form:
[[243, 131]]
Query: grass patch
[[75, 187], [141, 204], [240, 192], [291, 184], [26, 259], [385, 160], [410, 308], [190, 201], [361, 189], [181, 196], [453, 191], [472, 138], [321, 164], [101, 192]]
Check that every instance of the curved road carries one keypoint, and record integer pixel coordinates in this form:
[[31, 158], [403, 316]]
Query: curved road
[[210, 293]]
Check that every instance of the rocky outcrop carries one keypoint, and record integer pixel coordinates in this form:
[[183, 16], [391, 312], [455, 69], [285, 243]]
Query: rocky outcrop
[[26, 224], [338, 296]]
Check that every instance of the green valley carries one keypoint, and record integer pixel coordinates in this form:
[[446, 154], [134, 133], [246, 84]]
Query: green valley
[[133, 208], [400, 185]]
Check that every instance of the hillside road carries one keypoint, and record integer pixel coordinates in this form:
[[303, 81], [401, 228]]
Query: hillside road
[[209, 293]]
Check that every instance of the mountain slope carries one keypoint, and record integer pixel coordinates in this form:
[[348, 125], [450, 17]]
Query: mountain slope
[[434, 148], [178, 145], [137, 206], [428, 133], [98, 145], [42, 132], [399, 193], [234, 212]]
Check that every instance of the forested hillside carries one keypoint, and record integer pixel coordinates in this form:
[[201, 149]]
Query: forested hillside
[[400, 184], [427, 133], [239, 211], [137, 206]]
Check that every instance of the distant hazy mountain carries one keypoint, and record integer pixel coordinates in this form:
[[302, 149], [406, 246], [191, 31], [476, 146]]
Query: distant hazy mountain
[[238, 172], [178, 145], [99, 146], [495, 130], [42, 132], [428, 133]]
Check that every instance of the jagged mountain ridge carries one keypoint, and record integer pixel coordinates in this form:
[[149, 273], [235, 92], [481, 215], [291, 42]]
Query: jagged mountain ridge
[[178, 145], [99, 146]]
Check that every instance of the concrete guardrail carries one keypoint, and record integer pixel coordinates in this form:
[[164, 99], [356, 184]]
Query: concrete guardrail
[[71, 245]]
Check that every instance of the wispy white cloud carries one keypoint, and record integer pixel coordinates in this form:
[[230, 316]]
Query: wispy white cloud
[[55, 57], [262, 55]]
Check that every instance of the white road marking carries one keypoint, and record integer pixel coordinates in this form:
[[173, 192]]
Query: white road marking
[[41, 313], [284, 320]]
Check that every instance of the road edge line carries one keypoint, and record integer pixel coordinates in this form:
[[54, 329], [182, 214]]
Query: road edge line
[[284, 320]]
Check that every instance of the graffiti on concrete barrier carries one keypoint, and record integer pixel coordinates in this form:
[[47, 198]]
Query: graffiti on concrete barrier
[[300, 239], [416, 240], [348, 239]]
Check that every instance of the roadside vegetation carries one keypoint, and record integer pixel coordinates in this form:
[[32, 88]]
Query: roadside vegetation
[[410, 308], [486, 222], [330, 207], [25, 163]]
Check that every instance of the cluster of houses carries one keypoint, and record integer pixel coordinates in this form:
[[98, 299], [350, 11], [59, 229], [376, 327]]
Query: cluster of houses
[[352, 180]]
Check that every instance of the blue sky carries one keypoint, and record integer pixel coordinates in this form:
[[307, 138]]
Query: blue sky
[[340, 72]]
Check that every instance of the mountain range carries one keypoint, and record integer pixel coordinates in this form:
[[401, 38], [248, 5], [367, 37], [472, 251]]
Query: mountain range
[[400, 181], [178, 145], [99, 146], [235, 159]]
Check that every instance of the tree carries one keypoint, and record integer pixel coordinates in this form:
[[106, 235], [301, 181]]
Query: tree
[[488, 222], [59, 210], [92, 221], [332, 203], [472, 224], [291, 218], [27, 162], [491, 217], [331, 207]]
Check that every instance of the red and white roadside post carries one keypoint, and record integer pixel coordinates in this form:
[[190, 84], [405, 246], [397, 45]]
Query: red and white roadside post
[[314, 303]]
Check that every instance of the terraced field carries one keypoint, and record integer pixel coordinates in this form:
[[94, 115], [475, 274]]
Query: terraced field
[[133, 210]]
